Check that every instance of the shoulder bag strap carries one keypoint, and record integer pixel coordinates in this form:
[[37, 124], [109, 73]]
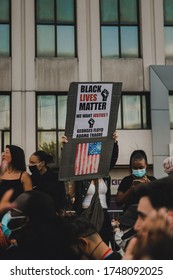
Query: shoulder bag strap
[[96, 183]]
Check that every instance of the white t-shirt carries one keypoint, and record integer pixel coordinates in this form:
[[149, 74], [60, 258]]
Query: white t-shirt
[[91, 190]]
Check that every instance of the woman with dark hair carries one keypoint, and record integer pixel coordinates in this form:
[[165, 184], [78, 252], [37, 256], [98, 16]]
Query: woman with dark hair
[[14, 175], [138, 174], [45, 179]]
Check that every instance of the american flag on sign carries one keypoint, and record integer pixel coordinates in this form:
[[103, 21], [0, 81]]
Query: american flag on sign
[[87, 158]]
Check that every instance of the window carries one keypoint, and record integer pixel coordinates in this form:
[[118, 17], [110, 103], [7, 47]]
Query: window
[[5, 120], [134, 112], [168, 28], [55, 28], [119, 28], [51, 118], [5, 28]]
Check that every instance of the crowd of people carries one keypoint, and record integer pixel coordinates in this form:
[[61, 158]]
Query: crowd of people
[[35, 222]]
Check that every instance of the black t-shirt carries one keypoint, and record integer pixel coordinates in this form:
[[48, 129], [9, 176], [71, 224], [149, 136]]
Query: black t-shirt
[[125, 186]]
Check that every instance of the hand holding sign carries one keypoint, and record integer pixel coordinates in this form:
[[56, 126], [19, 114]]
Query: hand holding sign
[[92, 110]]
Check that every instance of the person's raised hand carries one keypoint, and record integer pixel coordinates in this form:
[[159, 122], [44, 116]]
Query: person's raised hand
[[64, 140], [115, 136]]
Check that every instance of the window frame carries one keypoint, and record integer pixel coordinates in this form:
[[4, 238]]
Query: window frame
[[119, 25], [7, 93], [148, 113], [56, 130], [10, 33], [166, 25], [56, 23], [65, 93]]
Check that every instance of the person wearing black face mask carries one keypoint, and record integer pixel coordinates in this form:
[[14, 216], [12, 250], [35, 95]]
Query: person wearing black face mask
[[44, 179], [34, 170]]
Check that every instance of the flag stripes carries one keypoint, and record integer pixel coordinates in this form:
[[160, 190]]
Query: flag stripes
[[87, 158]]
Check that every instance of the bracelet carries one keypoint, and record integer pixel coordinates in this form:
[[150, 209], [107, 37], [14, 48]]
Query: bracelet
[[106, 254]]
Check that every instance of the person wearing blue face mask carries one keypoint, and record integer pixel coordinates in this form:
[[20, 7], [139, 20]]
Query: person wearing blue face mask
[[138, 174], [12, 221]]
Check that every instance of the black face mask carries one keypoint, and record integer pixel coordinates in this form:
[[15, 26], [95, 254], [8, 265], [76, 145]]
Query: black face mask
[[33, 169]]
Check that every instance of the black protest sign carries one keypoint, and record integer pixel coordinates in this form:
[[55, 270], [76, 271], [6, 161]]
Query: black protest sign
[[92, 110]]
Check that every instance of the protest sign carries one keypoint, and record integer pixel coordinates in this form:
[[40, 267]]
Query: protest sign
[[92, 110]]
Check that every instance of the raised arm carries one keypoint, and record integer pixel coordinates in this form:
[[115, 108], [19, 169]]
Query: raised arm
[[115, 150]]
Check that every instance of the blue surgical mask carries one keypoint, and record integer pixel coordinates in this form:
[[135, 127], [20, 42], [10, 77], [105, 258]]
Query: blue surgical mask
[[139, 173], [6, 220]]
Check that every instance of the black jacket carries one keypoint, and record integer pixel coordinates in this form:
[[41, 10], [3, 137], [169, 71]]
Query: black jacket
[[50, 184]]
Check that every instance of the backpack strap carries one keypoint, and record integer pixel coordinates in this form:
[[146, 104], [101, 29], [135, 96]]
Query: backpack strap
[[96, 183]]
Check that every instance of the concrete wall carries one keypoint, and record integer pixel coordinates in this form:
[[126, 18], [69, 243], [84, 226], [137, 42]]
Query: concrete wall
[[54, 74], [23, 74], [161, 84], [128, 71]]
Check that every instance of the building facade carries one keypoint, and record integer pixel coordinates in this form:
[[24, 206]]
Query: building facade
[[46, 45]]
